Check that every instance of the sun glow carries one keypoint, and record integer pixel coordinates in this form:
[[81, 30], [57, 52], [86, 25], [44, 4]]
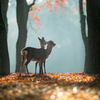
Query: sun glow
[[29, 1]]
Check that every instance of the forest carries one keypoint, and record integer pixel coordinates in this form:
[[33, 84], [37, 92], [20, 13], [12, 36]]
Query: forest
[[46, 85]]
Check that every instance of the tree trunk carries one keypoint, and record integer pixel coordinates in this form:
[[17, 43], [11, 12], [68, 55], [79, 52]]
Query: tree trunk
[[4, 57], [93, 20], [83, 30], [22, 16]]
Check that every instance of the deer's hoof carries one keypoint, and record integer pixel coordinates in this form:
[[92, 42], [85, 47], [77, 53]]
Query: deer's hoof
[[19, 75]]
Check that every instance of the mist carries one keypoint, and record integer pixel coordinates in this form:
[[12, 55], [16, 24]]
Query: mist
[[63, 28]]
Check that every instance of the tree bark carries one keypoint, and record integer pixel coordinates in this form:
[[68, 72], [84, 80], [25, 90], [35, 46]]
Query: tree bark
[[83, 30], [22, 16], [93, 20], [4, 56]]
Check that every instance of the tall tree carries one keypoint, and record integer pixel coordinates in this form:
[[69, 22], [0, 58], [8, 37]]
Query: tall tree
[[22, 17], [93, 20], [4, 57], [83, 30]]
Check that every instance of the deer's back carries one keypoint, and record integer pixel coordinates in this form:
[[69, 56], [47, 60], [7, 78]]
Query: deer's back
[[34, 54]]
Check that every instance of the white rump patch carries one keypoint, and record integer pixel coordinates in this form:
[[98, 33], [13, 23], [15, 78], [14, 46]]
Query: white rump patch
[[24, 52]]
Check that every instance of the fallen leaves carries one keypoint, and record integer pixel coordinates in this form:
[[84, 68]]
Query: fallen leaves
[[50, 86]]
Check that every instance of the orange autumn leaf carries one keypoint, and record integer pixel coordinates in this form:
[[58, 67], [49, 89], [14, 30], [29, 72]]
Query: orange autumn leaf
[[73, 10], [78, 8], [61, 10], [39, 24], [84, 2], [36, 17]]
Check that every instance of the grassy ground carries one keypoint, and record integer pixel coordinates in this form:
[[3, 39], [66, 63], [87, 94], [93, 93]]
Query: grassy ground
[[50, 86]]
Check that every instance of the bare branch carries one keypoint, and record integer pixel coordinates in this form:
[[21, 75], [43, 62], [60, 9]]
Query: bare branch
[[32, 4]]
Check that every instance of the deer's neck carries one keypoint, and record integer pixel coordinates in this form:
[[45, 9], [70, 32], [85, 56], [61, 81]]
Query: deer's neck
[[48, 51], [43, 47]]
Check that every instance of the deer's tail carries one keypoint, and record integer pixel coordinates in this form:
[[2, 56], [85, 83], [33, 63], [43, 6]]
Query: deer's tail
[[23, 55], [24, 52]]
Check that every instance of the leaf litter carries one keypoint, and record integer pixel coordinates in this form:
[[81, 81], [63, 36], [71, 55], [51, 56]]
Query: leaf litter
[[50, 86]]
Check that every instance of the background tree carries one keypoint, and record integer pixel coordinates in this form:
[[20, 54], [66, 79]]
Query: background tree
[[83, 30], [4, 57], [22, 17], [93, 20]]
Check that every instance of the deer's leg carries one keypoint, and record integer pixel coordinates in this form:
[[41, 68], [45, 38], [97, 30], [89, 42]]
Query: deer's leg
[[44, 67], [27, 62], [40, 65], [22, 63], [36, 67], [41, 70]]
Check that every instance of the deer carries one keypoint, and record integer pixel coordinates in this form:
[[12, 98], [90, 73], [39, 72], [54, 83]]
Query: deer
[[42, 44], [36, 54], [46, 53], [24, 58]]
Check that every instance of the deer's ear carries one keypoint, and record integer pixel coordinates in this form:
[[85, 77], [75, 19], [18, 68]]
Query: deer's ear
[[43, 38], [39, 38]]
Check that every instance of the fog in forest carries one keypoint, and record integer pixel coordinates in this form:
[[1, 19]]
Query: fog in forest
[[63, 28]]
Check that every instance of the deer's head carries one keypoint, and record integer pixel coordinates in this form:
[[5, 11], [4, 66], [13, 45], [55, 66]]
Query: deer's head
[[51, 44], [42, 42]]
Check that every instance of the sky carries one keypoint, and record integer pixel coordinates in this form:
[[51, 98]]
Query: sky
[[63, 28]]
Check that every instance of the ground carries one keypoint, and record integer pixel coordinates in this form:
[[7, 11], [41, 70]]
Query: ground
[[50, 86]]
